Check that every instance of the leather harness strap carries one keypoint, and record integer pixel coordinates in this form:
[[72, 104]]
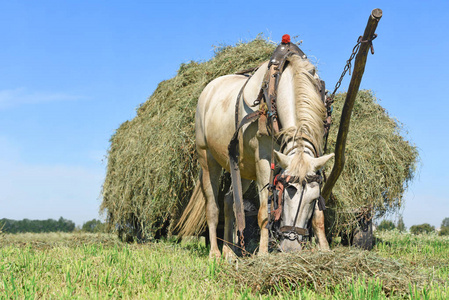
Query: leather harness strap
[[234, 153], [297, 230]]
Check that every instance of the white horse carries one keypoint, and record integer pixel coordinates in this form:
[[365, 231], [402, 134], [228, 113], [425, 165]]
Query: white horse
[[301, 113]]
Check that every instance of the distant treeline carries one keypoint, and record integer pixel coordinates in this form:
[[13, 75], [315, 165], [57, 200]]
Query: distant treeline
[[50, 225], [26, 225]]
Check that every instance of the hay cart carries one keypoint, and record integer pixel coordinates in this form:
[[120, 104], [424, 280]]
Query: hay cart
[[152, 169]]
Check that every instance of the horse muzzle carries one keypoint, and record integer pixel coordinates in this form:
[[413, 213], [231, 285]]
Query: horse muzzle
[[291, 238], [288, 245]]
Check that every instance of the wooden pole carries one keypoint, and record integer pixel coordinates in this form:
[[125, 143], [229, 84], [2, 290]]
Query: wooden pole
[[359, 68]]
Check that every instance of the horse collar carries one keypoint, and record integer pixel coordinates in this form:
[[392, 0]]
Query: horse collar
[[284, 50]]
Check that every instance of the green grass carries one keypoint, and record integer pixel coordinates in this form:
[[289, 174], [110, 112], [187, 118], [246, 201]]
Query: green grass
[[427, 252], [90, 269], [97, 266]]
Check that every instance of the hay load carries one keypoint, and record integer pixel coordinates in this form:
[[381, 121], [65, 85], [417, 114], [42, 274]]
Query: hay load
[[152, 166], [380, 163]]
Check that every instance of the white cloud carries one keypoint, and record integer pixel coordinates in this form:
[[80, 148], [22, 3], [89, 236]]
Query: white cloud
[[19, 96], [42, 191]]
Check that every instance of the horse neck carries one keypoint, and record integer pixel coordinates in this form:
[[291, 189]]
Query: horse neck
[[305, 103], [290, 103]]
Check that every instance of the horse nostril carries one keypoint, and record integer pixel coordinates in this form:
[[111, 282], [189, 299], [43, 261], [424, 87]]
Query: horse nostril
[[289, 246]]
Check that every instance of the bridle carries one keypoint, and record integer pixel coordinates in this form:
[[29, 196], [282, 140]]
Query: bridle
[[282, 182]]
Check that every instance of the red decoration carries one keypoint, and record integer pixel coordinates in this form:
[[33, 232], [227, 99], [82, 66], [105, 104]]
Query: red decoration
[[285, 39]]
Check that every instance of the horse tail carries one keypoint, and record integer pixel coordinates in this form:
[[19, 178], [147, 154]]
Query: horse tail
[[193, 219]]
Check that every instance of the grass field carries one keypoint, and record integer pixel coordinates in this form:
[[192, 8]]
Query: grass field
[[98, 266]]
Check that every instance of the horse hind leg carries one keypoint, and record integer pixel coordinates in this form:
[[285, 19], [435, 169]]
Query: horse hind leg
[[209, 185], [230, 236]]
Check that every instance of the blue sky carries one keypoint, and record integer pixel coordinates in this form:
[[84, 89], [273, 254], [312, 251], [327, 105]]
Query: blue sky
[[72, 71]]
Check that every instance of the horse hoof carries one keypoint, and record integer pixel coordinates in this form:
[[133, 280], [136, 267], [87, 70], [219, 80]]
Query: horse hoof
[[214, 255], [228, 254], [324, 248]]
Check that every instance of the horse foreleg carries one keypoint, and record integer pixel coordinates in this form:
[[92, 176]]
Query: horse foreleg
[[263, 177], [318, 228], [262, 218]]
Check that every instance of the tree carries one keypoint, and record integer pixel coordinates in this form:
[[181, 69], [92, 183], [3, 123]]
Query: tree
[[444, 230], [26, 225], [401, 226], [386, 225], [93, 226], [65, 225], [423, 228]]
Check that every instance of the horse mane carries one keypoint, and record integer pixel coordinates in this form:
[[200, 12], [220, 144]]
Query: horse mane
[[310, 114]]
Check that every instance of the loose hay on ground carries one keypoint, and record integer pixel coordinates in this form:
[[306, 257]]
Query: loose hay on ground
[[58, 239], [323, 271]]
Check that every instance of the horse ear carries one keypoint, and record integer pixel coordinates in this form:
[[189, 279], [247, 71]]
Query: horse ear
[[319, 162], [283, 160]]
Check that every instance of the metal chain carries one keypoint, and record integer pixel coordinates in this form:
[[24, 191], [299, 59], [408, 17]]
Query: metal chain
[[348, 65], [242, 244], [346, 68], [330, 99]]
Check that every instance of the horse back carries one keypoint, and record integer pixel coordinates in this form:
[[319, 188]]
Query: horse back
[[215, 116]]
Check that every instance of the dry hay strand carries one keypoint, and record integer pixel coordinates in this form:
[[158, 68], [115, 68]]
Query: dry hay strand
[[323, 271]]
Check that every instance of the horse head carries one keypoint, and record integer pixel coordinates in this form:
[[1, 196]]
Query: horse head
[[301, 189]]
